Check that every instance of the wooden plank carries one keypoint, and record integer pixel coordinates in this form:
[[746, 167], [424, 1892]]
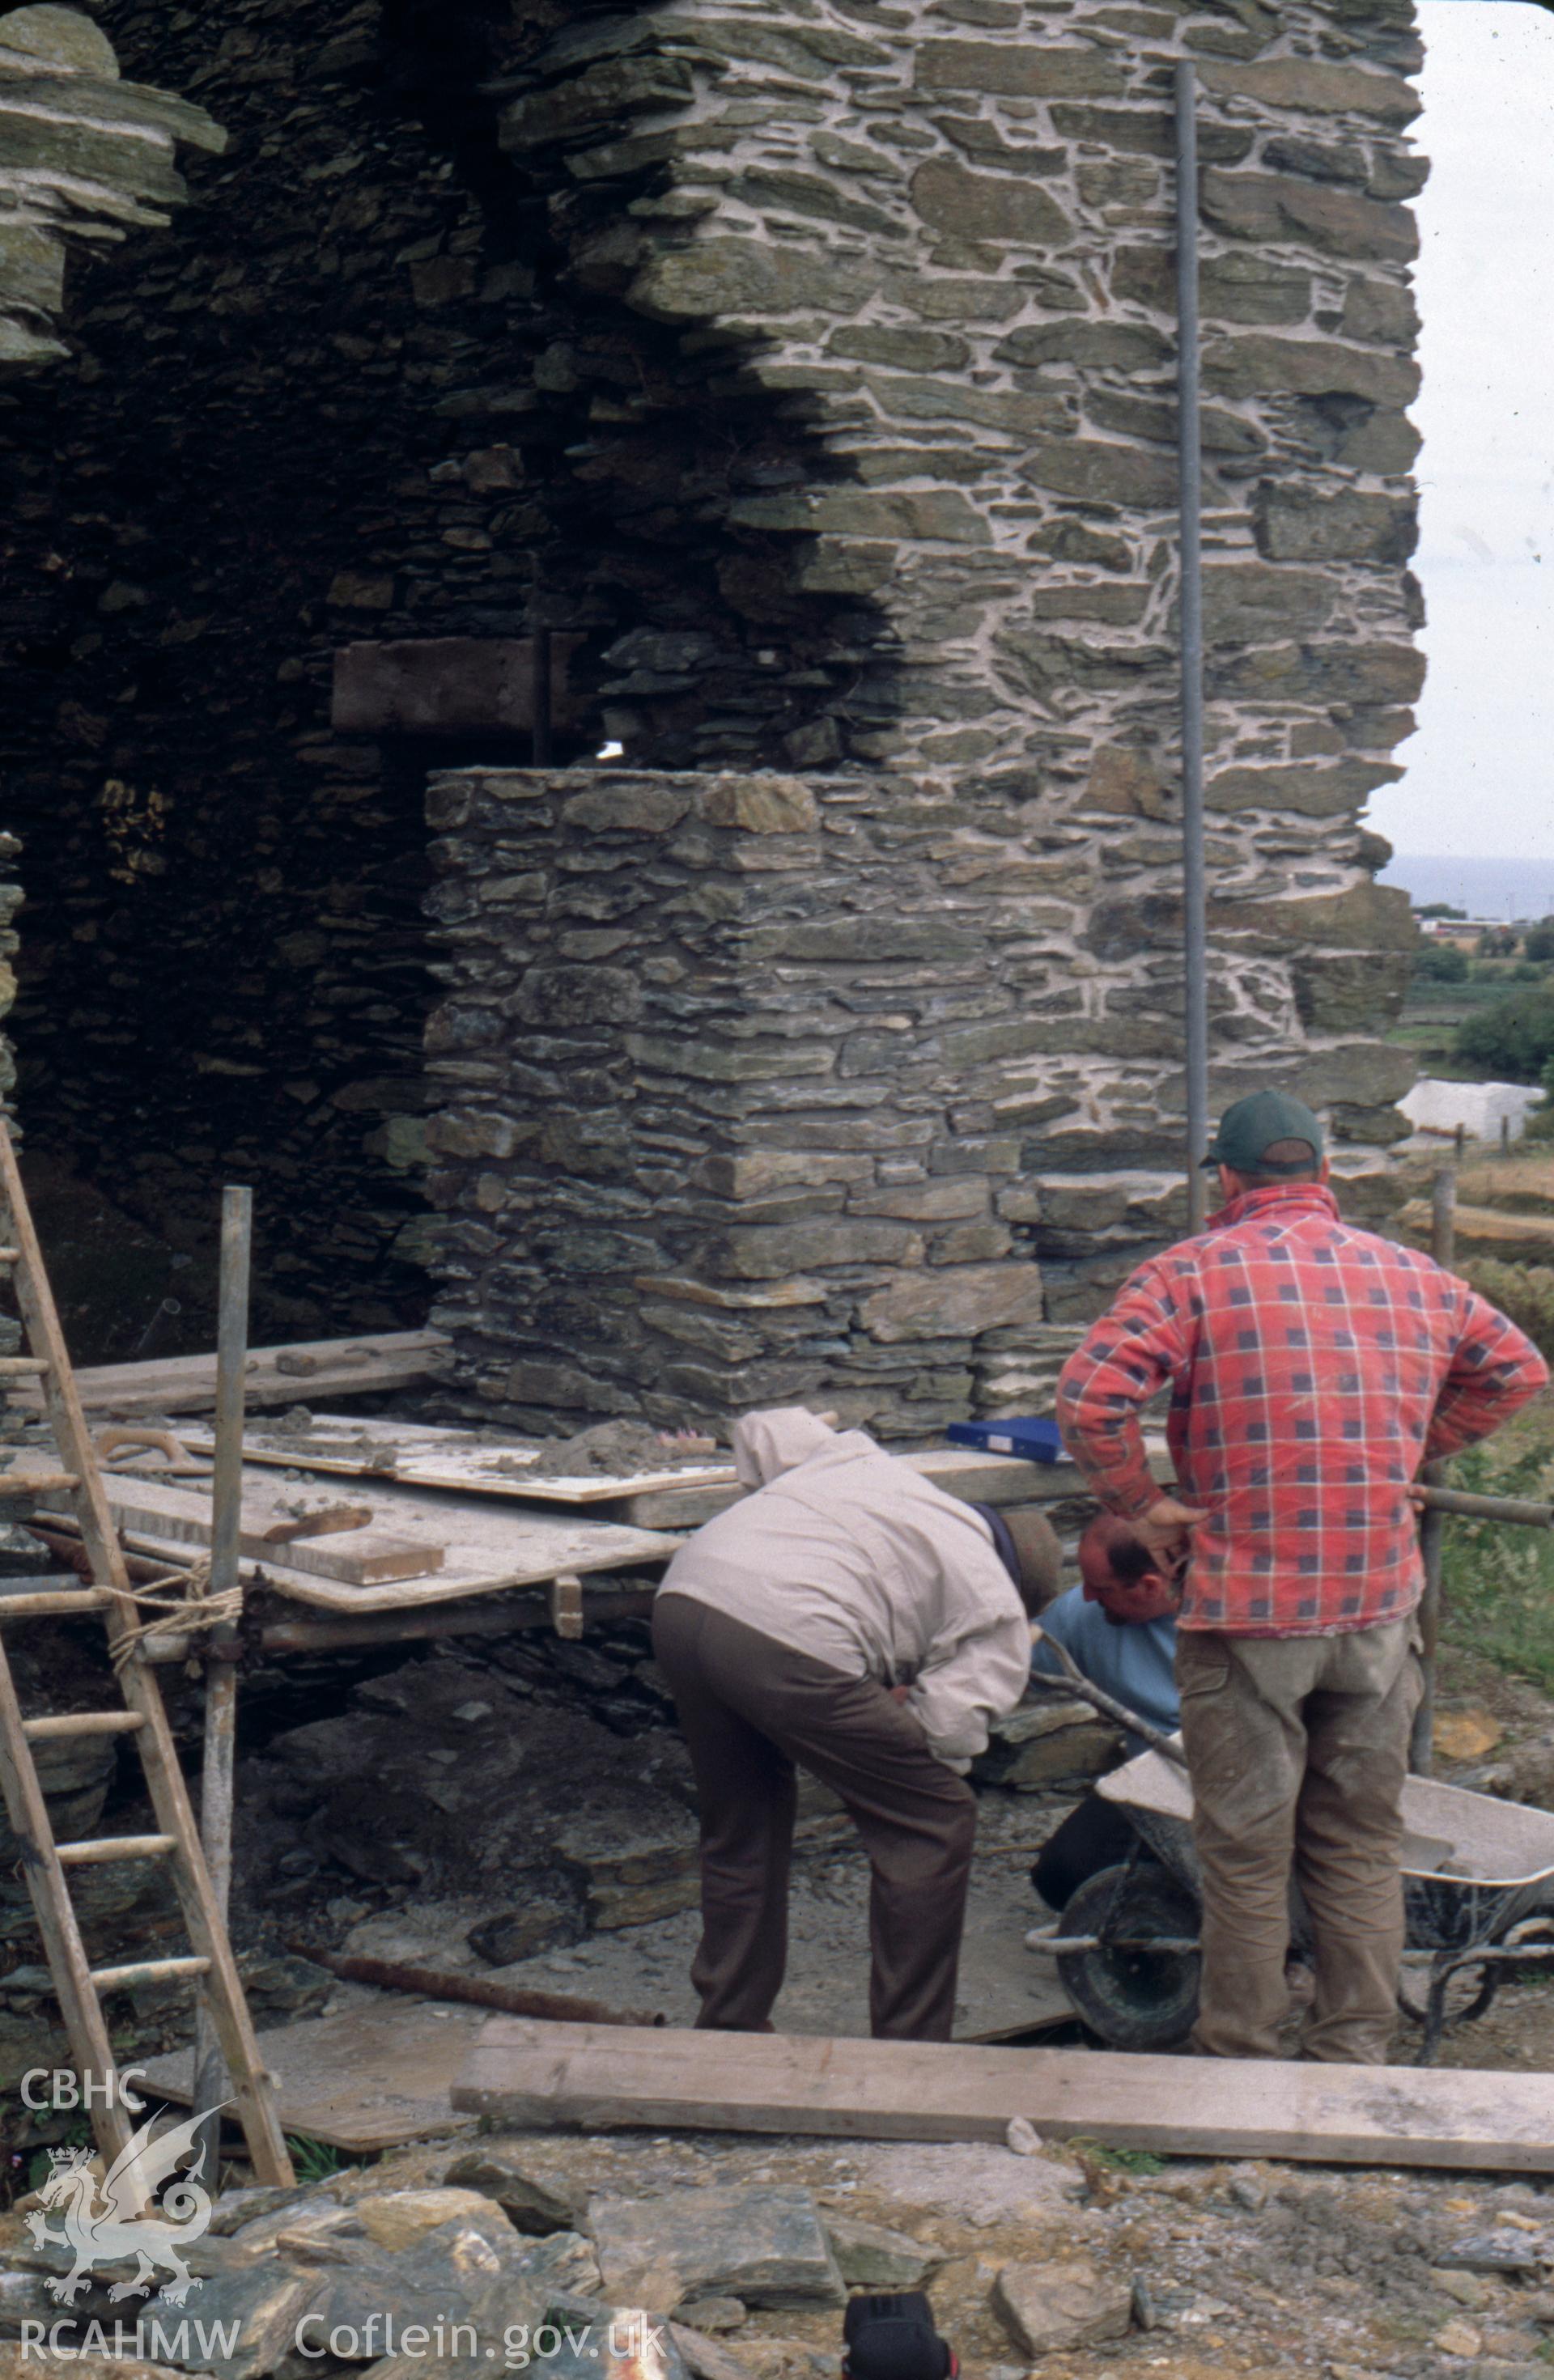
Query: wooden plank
[[551, 1551], [963, 1470], [486, 1546], [370, 2080], [428, 1456], [966, 1471], [276, 1376], [492, 1618], [681, 1499], [548, 2074], [430, 685], [367, 1557]]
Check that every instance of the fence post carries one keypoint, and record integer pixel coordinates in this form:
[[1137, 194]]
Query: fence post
[[1421, 1748]]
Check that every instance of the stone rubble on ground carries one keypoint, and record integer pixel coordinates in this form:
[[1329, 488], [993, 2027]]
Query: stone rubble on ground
[[1047, 2307], [870, 2257], [529, 2204], [1498, 2252], [710, 2316], [704, 2358], [767, 2246], [736, 2253]]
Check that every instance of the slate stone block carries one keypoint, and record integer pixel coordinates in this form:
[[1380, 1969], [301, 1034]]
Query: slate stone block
[[765, 2247], [1048, 2308], [870, 2257], [265, 2303], [612, 2342]]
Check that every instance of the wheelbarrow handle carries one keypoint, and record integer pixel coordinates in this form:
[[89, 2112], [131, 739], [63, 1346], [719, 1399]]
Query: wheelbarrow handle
[[1485, 1507], [1107, 1704]]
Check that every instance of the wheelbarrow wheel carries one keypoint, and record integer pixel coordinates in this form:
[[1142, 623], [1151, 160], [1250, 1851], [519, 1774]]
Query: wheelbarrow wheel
[[1132, 1998]]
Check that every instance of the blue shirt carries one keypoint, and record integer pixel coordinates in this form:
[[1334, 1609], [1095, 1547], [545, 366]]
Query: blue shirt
[[1135, 1663]]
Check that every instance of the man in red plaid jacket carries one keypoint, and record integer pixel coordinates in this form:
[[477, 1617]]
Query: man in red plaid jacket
[[1314, 1367]]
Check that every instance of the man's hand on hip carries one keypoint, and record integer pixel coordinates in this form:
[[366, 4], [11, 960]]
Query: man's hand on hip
[[1166, 1528]]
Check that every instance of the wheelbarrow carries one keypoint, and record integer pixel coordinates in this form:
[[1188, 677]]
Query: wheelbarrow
[[1478, 1896], [1478, 1879]]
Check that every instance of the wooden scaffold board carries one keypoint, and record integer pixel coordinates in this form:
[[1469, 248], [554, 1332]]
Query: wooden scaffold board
[[523, 2072], [348, 1447], [370, 2079], [420, 1454], [276, 1376], [480, 1549]]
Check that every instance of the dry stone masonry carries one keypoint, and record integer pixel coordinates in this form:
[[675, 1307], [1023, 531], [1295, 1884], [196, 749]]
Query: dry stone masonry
[[83, 156], [742, 1074], [914, 1100], [809, 368]]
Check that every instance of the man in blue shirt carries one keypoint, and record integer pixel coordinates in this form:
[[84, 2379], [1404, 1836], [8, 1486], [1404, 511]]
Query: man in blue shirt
[[1119, 1627]]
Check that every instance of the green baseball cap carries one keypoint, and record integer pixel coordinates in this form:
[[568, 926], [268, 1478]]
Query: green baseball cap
[[1254, 1125]]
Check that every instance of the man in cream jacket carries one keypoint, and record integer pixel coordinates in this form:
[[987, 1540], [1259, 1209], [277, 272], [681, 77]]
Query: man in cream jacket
[[853, 1619]]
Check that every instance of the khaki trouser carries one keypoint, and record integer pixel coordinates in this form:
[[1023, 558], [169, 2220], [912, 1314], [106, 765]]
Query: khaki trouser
[[750, 1708], [1297, 1748]]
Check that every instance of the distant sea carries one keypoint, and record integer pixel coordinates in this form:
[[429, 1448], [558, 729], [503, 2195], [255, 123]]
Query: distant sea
[[1506, 888]]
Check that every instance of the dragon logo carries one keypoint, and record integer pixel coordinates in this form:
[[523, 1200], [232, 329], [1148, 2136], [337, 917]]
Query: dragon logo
[[103, 2219]]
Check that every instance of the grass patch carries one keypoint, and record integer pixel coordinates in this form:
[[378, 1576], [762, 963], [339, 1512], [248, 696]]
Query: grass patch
[[313, 2160], [1525, 1291], [1498, 1580], [1117, 2160]]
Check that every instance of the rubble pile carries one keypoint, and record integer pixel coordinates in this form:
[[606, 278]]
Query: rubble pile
[[714, 2258]]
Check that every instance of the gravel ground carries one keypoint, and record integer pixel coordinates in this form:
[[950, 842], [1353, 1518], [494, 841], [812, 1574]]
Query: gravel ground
[[1002, 1986]]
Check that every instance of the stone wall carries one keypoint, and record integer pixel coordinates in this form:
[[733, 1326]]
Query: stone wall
[[949, 253], [757, 1087], [83, 157], [811, 364], [945, 249], [222, 971], [339, 399]]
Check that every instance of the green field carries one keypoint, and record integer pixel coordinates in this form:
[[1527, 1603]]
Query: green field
[[1432, 1012], [1498, 1581]]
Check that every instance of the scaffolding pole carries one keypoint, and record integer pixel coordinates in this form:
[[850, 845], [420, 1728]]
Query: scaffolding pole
[[212, 2085], [1195, 938]]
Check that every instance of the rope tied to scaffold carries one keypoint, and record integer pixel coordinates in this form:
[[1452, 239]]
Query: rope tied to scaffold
[[180, 1605]]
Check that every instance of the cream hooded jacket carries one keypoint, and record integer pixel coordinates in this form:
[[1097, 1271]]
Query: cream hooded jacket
[[849, 1555]]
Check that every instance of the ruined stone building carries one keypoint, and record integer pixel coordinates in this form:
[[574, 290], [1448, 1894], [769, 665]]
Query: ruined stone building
[[808, 366]]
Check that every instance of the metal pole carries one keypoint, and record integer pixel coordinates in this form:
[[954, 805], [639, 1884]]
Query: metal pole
[[1194, 935], [1432, 1529], [212, 2084]]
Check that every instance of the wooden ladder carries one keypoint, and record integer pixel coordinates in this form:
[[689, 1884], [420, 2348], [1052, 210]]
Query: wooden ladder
[[45, 1863]]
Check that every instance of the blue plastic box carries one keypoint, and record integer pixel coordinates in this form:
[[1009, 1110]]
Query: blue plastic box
[[1035, 1441]]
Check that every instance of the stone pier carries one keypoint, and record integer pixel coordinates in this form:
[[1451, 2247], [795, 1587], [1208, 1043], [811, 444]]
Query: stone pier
[[756, 1088]]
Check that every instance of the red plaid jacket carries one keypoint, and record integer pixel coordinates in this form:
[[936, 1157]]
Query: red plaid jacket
[[1314, 1367]]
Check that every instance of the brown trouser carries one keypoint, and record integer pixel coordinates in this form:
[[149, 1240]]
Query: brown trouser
[[750, 1708], [1297, 1748]]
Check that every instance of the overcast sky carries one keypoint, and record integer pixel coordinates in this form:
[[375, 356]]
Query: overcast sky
[[1480, 777]]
